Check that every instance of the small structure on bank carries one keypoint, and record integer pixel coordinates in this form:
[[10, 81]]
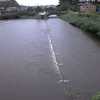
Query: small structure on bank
[[89, 6], [4, 4], [8, 7]]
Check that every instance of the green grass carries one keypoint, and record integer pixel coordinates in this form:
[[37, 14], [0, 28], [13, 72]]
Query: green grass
[[87, 22], [96, 97]]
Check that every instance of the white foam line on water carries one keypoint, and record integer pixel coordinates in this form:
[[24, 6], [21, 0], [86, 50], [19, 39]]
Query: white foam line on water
[[56, 64], [54, 59], [53, 55]]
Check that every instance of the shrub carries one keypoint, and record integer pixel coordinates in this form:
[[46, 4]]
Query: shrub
[[87, 22], [96, 97]]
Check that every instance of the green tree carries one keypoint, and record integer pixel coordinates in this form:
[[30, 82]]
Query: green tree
[[38, 9], [69, 4]]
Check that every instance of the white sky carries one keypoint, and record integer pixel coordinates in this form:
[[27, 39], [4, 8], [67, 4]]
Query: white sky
[[37, 2]]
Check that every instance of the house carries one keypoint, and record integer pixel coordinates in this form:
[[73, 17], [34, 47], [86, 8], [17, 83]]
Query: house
[[8, 5], [87, 7], [8, 8]]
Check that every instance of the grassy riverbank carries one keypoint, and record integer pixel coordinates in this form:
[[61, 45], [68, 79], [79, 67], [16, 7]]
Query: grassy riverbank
[[96, 97], [87, 22]]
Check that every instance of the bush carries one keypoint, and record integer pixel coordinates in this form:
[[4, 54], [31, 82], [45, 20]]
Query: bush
[[96, 97], [87, 22]]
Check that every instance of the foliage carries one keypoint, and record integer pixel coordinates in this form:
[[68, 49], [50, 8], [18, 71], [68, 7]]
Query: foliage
[[69, 4], [96, 97], [87, 22], [38, 9]]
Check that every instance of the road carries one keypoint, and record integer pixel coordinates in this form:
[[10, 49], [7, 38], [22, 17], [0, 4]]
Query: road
[[47, 60]]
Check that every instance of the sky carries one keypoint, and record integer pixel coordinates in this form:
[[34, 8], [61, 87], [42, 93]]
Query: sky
[[37, 2]]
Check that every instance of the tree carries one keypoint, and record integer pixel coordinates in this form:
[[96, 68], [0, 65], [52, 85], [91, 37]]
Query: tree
[[38, 9], [69, 4], [65, 4]]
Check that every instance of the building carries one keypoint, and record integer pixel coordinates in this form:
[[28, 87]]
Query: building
[[8, 5], [89, 6]]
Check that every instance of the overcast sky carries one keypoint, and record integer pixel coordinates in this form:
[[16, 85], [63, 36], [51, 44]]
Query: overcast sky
[[37, 2]]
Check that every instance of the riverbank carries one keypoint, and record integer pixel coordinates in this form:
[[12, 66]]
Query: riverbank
[[20, 16], [90, 23]]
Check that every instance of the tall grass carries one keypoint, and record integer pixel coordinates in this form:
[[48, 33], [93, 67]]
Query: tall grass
[[87, 22], [96, 97]]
